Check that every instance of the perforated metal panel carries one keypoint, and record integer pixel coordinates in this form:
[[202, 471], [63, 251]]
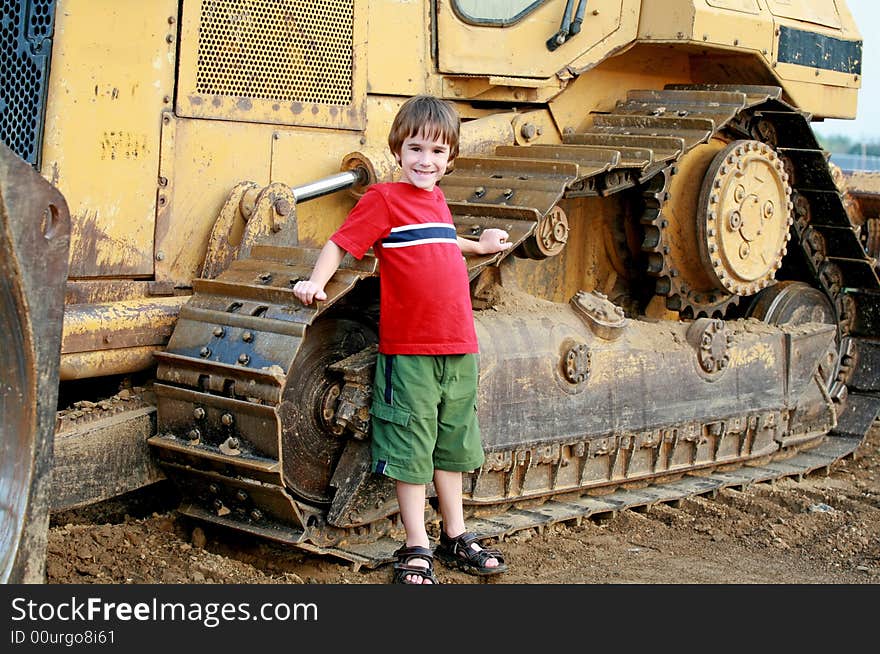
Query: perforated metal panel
[[282, 61], [25, 49]]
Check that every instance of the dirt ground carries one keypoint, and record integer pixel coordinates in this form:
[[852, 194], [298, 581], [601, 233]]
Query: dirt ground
[[824, 529]]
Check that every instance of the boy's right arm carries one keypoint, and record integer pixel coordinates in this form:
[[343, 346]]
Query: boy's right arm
[[328, 261]]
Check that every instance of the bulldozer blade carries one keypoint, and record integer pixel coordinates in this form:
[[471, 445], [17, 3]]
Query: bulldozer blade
[[34, 244]]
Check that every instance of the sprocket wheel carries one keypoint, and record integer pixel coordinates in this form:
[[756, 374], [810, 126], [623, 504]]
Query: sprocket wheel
[[717, 226]]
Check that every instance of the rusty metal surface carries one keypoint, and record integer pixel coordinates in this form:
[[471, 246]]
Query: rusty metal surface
[[103, 458], [243, 382], [255, 413], [99, 363], [664, 148], [471, 219], [110, 325], [619, 418], [227, 231], [570, 395], [34, 241], [508, 181]]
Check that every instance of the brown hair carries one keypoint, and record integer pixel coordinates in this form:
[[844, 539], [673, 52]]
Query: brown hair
[[427, 115]]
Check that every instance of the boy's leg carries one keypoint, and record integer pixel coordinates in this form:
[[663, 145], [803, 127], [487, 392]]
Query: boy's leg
[[448, 487], [411, 499]]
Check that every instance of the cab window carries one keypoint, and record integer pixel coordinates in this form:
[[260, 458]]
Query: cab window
[[494, 12]]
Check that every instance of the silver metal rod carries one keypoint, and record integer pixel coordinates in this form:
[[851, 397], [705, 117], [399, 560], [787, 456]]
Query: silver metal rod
[[327, 185]]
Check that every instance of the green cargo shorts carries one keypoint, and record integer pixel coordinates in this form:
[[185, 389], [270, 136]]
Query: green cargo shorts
[[424, 416]]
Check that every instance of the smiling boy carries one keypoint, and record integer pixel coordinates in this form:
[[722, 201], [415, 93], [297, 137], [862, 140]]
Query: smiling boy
[[424, 420]]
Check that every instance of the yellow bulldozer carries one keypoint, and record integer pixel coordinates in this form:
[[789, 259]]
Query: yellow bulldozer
[[689, 304]]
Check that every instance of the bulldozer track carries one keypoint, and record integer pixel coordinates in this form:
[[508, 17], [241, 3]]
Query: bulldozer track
[[82, 413], [221, 383]]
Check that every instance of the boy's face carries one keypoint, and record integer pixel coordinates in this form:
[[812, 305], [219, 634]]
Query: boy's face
[[423, 161]]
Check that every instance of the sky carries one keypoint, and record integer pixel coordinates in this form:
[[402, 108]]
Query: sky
[[865, 127]]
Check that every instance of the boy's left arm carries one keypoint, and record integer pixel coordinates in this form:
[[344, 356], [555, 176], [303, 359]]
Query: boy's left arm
[[492, 240]]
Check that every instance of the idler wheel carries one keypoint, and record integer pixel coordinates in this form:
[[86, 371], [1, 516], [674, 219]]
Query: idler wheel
[[796, 303], [792, 303], [550, 237], [744, 215]]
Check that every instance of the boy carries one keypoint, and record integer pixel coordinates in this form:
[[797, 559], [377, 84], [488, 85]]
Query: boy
[[424, 421]]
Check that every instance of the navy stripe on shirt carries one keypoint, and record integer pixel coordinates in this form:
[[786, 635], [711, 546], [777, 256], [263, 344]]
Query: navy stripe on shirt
[[420, 234]]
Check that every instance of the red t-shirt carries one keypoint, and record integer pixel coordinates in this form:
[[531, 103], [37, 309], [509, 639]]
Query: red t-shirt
[[425, 304]]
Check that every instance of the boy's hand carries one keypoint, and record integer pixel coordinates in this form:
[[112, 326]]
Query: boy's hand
[[307, 291], [494, 240]]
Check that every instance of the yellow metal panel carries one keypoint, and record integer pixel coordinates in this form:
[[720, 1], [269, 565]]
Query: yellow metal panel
[[823, 93], [723, 24], [520, 50], [722, 28], [731, 28], [102, 363], [305, 155], [122, 324], [112, 75], [292, 62], [502, 89], [380, 114], [673, 19], [640, 67], [202, 160], [747, 6], [397, 49], [821, 12]]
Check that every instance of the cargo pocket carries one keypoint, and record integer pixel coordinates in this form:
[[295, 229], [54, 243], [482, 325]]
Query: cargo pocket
[[392, 444], [390, 413]]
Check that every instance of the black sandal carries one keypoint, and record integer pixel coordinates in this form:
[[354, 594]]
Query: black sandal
[[403, 568], [459, 553]]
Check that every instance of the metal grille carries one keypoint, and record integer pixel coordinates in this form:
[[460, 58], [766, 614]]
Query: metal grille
[[284, 50], [25, 49]]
